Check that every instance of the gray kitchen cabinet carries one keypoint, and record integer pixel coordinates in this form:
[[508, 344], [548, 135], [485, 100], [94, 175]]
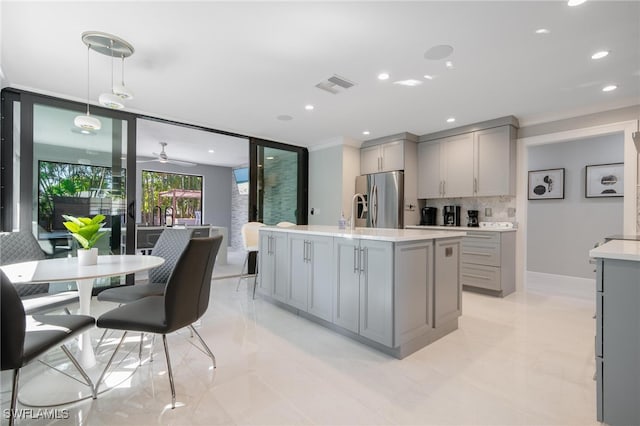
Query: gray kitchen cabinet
[[429, 175], [472, 164], [376, 291], [347, 283], [364, 288], [272, 279], [618, 341], [385, 157], [488, 262], [447, 284], [446, 167], [310, 287], [414, 268], [494, 161]]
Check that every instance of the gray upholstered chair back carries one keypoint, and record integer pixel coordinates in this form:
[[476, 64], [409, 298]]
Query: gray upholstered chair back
[[12, 324], [22, 246], [186, 297], [170, 245]]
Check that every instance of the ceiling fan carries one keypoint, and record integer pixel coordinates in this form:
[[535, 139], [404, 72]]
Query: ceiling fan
[[164, 158]]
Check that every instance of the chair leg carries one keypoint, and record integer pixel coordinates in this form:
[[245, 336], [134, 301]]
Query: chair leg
[[14, 396], [140, 349], [255, 280], [153, 343], [204, 345], [173, 388], [84, 374], [102, 338], [246, 260], [97, 385]]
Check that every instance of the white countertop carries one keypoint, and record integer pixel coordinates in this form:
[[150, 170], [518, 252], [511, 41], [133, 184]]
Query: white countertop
[[380, 234], [618, 249], [461, 228]]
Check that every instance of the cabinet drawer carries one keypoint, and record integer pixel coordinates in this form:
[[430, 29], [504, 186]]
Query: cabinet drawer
[[480, 253], [480, 276], [599, 390], [481, 237]]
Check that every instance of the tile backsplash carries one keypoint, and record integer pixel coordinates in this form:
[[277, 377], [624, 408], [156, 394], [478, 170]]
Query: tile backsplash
[[501, 209]]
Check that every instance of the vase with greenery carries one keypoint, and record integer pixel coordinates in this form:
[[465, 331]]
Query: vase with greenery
[[87, 231]]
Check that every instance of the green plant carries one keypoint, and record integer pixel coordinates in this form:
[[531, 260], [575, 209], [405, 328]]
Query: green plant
[[85, 230]]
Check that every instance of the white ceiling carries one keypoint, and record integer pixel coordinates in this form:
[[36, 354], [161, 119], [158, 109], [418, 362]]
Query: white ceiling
[[235, 66]]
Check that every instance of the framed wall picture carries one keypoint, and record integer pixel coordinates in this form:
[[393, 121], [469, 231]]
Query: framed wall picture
[[546, 184], [604, 180]]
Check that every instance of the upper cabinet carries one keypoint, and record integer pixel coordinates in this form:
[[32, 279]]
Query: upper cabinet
[[472, 164], [385, 157], [494, 152]]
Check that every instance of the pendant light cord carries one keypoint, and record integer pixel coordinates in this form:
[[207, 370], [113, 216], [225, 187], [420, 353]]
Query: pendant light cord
[[111, 50], [123, 70]]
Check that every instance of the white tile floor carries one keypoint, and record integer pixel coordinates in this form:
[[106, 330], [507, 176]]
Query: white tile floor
[[524, 359]]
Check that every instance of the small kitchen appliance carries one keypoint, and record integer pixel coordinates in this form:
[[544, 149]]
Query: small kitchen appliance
[[428, 215], [451, 215], [472, 217]]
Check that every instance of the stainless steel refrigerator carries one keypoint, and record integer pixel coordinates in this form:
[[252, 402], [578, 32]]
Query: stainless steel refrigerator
[[384, 195]]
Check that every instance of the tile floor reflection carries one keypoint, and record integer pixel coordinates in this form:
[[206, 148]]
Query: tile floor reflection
[[526, 359]]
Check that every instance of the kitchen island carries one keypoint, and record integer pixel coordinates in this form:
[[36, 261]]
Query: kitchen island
[[617, 342], [396, 290]]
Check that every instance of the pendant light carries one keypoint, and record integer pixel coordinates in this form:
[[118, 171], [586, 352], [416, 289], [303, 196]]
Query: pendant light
[[121, 90], [85, 121], [110, 100]]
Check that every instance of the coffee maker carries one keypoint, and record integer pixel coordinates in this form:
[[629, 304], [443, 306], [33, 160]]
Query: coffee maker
[[428, 215], [472, 216], [451, 215]]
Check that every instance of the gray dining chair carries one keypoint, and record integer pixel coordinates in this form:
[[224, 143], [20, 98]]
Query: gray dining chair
[[19, 345], [22, 246], [185, 300], [170, 245]]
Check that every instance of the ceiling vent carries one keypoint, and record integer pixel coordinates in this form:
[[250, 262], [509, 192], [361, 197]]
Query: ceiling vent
[[335, 84]]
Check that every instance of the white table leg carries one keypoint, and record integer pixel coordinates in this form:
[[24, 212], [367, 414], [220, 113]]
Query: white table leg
[[87, 357]]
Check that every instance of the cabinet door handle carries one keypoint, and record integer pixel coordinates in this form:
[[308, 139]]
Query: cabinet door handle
[[475, 185], [363, 260], [443, 187], [356, 258]]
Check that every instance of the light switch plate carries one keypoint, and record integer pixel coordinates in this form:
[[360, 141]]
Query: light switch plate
[[488, 212]]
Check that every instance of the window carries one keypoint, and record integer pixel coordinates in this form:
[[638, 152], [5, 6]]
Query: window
[[171, 195]]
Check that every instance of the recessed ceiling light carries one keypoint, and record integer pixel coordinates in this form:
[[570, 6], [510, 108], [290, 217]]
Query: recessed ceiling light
[[542, 31], [211, 151], [428, 77], [609, 88], [599, 55], [270, 158], [575, 2], [449, 64], [451, 120], [383, 76], [410, 82], [366, 133], [284, 117], [309, 107]]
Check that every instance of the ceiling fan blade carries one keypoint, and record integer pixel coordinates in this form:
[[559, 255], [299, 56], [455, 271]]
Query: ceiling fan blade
[[181, 163], [146, 161]]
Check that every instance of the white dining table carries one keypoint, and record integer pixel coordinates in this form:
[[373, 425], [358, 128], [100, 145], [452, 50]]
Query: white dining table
[[67, 269]]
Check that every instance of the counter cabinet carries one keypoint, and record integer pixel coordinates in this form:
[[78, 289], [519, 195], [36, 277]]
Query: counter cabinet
[[394, 296]]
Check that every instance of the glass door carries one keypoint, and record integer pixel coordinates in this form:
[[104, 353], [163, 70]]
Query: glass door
[[79, 173], [50, 168], [278, 183]]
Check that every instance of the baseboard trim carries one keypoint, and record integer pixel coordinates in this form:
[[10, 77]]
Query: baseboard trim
[[560, 285]]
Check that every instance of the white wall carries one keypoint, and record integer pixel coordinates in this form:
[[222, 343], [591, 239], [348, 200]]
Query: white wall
[[561, 232], [332, 180], [325, 185]]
